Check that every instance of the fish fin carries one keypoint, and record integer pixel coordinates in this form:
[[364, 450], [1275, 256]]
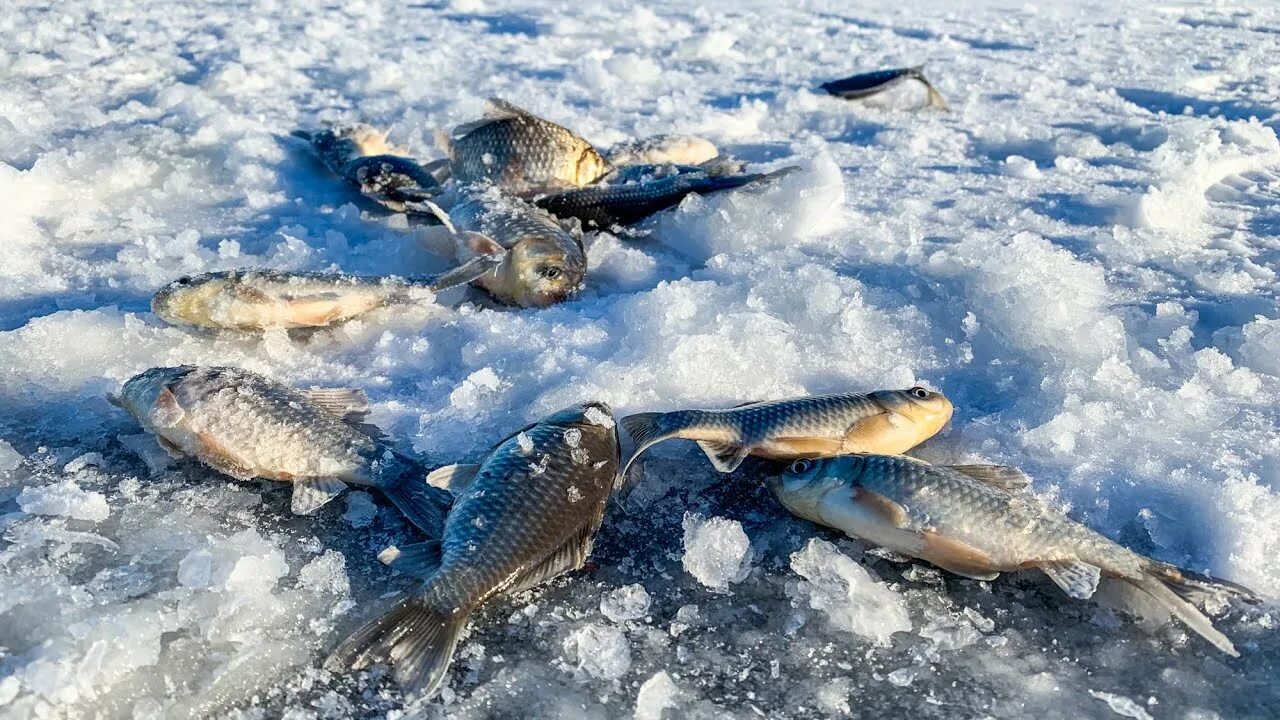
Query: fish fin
[[115, 400], [800, 447], [443, 141], [219, 457], [1077, 579], [499, 109], [569, 556], [468, 271], [934, 98], [438, 169], [480, 244], [454, 478], [426, 506], [1155, 582], [865, 435], [726, 457], [245, 293], [431, 208], [415, 638], [311, 494], [343, 403], [645, 430], [890, 512], [1005, 477], [1197, 588], [957, 557], [168, 402], [420, 560], [320, 312]]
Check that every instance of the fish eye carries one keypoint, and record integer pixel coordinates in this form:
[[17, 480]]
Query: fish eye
[[801, 466], [549, 272], [184, 280], [919, 392]]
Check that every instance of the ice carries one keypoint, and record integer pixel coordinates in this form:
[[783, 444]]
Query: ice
[[64, 499], [1122, 706], [847, 594], [716, 551], [629, 602], [1081, 253], [599, 651]]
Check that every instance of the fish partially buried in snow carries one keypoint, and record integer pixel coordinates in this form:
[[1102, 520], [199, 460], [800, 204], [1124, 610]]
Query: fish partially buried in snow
[[973, 521], [885, 421], [539, 261], [361, 154], [520, 152], [258, 300], [663, 149], [865, 85], [529, 512], [248, 426]]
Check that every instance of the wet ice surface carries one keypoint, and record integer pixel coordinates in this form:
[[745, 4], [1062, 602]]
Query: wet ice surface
[[1082, 255]]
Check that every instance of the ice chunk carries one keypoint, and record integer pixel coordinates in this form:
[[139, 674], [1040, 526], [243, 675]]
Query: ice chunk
[[600, 651], [64, 499], [658, 693], [10, 459], [361, 510], [196, 569], [716, 551], [846, 592], [1122, 706], [630, 602]]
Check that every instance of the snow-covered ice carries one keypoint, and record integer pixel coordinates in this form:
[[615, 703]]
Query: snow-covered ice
[[1082, 254]]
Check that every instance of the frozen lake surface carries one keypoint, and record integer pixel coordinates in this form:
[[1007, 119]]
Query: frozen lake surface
[[1082, 255]]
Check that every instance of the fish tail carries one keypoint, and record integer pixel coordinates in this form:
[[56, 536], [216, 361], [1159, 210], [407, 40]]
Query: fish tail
[[934, 97], [1176, 591], [425, 505], [646, 430], [416, 639]]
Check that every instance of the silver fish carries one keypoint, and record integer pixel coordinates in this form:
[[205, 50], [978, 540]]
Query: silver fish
[[529, 512], [248, 426], [663, 150], [885, 421], [540, 262], [865, 85], [258, 300], [973, 521], [520, 152], [626, 203], [361, 155]]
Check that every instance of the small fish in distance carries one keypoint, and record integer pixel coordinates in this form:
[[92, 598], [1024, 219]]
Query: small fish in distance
[[258, 300], [520, 152], [974, 521], [885, 421], [249, 426], [867, 84], [529, 512]]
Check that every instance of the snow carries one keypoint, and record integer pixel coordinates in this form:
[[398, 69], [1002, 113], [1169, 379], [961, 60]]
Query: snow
[[716, 551], [1082, 254]]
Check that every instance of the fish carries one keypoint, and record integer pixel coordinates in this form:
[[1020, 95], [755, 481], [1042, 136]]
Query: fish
[[977, 521], [884, 421], [520, 152], [539, 261], [249, 426], [361, 155], [527, 512], [663, 150], [259, 300], [865, 85], [626, 203]]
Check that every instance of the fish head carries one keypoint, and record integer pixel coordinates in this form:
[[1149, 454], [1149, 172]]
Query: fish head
[[188, 300], [542, 271], [148, 392], [926, 410], [591, 166], [803, 485]]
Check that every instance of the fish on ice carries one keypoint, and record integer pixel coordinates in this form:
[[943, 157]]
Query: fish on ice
[[663, 150], [520, 152], [248, 426], [361, 155], [864, 85], [258, 300], [977, 521], [528, 512], [884, 421]]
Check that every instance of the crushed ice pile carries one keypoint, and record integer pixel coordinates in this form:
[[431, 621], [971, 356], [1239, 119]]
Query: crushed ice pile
[[1082, 254]]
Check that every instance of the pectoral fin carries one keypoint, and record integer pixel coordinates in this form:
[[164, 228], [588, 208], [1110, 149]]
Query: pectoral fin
[[1005, 477], [1077, 579], [454, 478], [216, 455], [869, 435], [957, 557], [311, 494], [418, 559], [569, 556], [168, 446], [724, 457]]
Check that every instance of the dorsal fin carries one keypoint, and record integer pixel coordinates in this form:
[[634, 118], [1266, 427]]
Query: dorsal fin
[[499, 109], [347, 404], [1005, 477]]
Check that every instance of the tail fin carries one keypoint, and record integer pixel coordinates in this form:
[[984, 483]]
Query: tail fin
[[1174, 590], [935, 97], [646, 430], [416, 639], [425, 505]]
